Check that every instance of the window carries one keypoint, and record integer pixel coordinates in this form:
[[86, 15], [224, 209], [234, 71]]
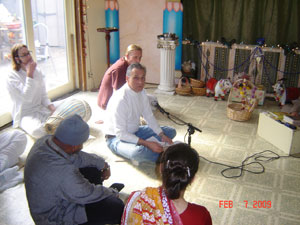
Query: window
[[46, 28]]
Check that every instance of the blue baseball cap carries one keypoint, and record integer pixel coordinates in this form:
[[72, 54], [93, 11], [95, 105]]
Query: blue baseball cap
[[72, 131]]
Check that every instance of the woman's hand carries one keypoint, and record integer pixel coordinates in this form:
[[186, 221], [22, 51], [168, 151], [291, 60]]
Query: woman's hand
[[30, 68], [52, 108], [294, 113]]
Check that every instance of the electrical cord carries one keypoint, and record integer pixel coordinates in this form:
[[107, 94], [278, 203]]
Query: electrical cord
[[258, 158]]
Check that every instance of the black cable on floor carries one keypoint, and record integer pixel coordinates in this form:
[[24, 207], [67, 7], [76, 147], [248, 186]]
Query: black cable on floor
[[258, 158]]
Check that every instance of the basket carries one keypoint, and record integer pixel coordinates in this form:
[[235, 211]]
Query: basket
[[183, 89], [235, 111], [197, 83], [199, 91], [238, 111]]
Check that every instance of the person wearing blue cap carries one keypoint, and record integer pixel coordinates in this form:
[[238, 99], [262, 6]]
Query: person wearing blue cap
[[64, 184]]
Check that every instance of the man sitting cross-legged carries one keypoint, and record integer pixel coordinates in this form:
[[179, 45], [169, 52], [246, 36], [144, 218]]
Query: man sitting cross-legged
[[64, 185], [124, 135]]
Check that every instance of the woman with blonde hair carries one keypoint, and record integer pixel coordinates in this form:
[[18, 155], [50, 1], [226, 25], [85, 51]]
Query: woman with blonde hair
[[166, 204], [115, 75]]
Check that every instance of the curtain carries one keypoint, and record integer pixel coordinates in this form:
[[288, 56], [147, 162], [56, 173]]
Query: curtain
[[277, 21], [244, 20]]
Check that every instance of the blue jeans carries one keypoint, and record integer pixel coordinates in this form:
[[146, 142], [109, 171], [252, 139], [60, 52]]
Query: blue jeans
[[137, 152]]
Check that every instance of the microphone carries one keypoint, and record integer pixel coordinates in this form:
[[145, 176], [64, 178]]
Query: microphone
[[192, 127]]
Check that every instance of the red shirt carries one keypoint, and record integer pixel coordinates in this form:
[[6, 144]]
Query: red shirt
[[114, 78], [196, 215]]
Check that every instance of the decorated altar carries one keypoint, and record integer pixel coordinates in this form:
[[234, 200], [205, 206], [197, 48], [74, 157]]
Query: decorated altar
[[264, 65]]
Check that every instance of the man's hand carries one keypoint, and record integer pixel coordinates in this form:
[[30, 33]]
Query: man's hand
[[165, 138], [105, 172], [153, 146]]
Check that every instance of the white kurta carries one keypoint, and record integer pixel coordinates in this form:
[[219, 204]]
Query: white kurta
[[123, 113], [30, 101]]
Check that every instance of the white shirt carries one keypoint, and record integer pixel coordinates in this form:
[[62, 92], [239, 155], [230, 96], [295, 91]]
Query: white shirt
[[123, 113], [28, 94]]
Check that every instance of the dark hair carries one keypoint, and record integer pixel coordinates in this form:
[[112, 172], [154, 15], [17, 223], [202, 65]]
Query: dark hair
[[179, 165], [135, 66]]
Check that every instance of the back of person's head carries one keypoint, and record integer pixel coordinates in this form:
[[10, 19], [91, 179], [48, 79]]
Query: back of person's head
[[72, 131], [135, 66], [179, 164], [14, 54], [132, 47]]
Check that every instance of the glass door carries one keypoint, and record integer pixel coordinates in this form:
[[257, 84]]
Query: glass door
[[11, 31], [50, 40], [46, 27]]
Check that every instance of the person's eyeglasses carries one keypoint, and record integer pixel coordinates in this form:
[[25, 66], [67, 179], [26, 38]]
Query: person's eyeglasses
[[25, 54]]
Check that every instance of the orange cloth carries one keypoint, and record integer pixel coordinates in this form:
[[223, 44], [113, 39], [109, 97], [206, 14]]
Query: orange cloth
[[146, 207]]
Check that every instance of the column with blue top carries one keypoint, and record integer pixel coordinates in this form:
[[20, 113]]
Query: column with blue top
[[172, 23], [112, 20]]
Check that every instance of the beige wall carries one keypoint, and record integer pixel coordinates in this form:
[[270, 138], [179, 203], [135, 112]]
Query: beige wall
[[140, 22], [96, 45]]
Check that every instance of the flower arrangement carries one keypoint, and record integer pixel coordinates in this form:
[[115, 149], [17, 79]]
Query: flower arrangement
[[247, 101]]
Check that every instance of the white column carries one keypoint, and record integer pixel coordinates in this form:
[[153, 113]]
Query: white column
[[167, 45], [167, 70]]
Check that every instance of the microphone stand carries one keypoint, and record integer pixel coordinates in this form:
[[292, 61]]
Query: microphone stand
[[191, 129]]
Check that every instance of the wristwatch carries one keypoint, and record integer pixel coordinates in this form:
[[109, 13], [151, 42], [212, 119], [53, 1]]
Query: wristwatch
[[106, 167]]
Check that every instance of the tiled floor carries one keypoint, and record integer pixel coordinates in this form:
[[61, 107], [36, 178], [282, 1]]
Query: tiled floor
[[270, 198]]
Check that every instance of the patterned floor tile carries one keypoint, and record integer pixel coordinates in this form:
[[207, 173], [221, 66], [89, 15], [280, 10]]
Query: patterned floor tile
[[236, 141], [217, 189], [289, 205], [231, 154], [248, 216], [222, 141], [291, 183]]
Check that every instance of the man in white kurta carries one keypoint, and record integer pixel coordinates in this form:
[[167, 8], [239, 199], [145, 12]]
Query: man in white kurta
[[26, 87], [124, 135]]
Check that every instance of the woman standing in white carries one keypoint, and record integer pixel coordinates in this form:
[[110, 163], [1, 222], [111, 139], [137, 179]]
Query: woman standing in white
[[26, 87]]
